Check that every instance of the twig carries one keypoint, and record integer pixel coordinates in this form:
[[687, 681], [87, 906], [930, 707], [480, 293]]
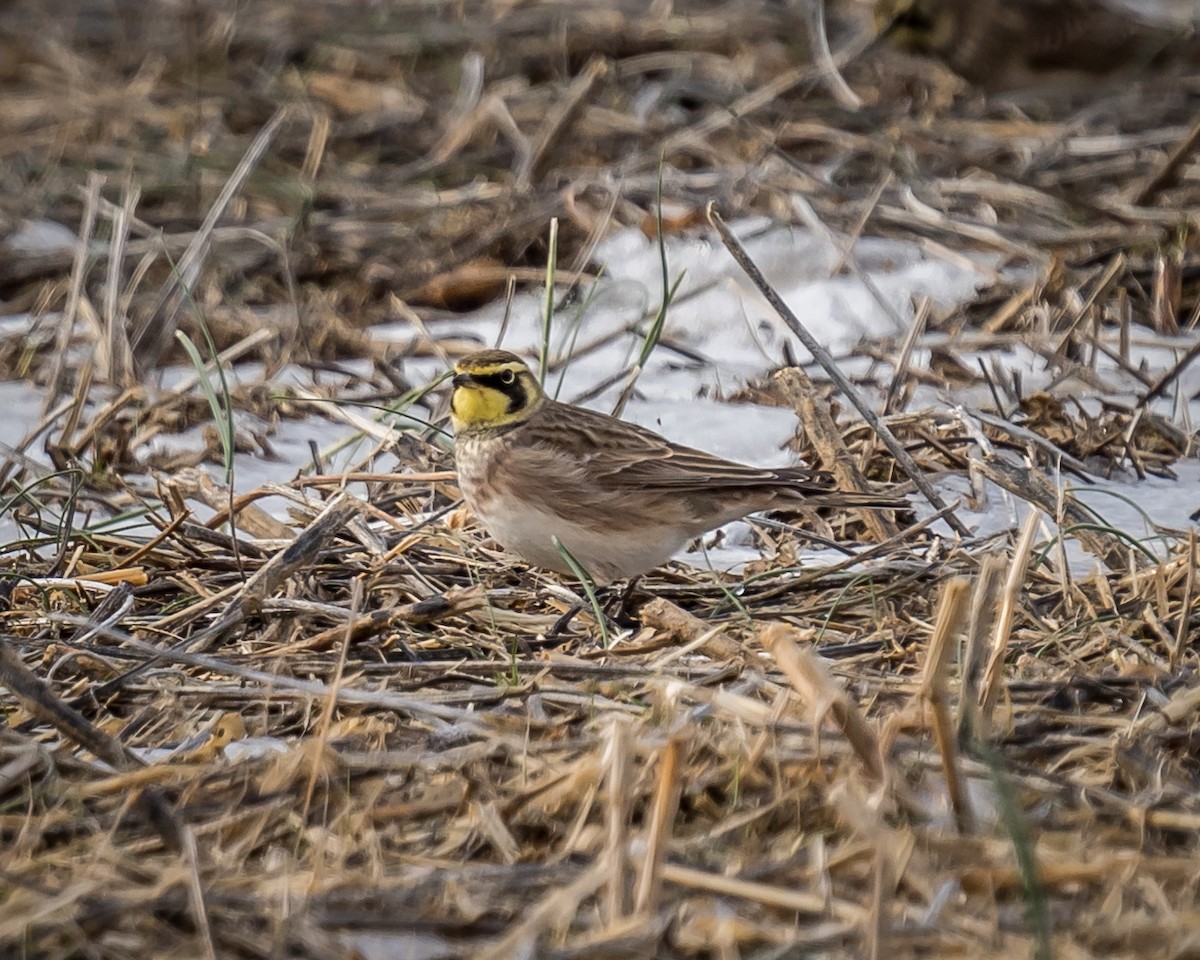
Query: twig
[[951, 613], [277, 683], [36, 697], [1017, 432], [979, 627], [1170, 376], [834, 456], [1165, 174], [1185, 608], [565, 109], [620, 789], [75, 292], [895, 447], [990, 690], [157, 330], [900, 368], [822, 694], [662, 822], [824, 57], [1032, 486]]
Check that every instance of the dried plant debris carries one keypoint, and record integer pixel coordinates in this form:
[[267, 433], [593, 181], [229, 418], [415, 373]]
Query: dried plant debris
[[400, 732], [331, 718]]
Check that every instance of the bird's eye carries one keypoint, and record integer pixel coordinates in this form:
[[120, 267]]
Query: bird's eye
[[507, 376]]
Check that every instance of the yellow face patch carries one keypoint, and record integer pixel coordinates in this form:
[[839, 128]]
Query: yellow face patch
[[492, 394], [474, 405]]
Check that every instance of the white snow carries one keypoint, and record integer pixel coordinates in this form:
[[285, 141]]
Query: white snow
[[719, 334]]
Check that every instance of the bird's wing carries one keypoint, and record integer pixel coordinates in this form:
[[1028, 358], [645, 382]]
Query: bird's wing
[[623, 455], [1092, 35]]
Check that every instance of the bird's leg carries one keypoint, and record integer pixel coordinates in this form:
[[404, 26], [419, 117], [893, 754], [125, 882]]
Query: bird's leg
[[561, 624], [620, 607]]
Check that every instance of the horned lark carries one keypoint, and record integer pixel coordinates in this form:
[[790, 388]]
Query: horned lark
[[1009, 44], [620, 498]]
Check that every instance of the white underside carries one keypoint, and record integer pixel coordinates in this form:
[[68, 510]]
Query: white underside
[[529, 532]]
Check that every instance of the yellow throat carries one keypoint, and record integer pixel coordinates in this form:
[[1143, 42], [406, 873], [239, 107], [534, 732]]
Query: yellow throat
[[492, 388]]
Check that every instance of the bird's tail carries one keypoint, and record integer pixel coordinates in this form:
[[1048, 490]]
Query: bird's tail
[[805, 496], [846, 498], [816, 488]]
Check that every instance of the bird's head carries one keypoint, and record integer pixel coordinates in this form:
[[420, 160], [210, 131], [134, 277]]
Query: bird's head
[[492, 388], [918, 26]]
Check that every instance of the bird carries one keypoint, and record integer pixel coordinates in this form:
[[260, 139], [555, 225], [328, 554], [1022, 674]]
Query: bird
[[620, 498], [1017, 44]]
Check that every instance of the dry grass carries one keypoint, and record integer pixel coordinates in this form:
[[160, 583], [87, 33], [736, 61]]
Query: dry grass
[[365, 729]]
